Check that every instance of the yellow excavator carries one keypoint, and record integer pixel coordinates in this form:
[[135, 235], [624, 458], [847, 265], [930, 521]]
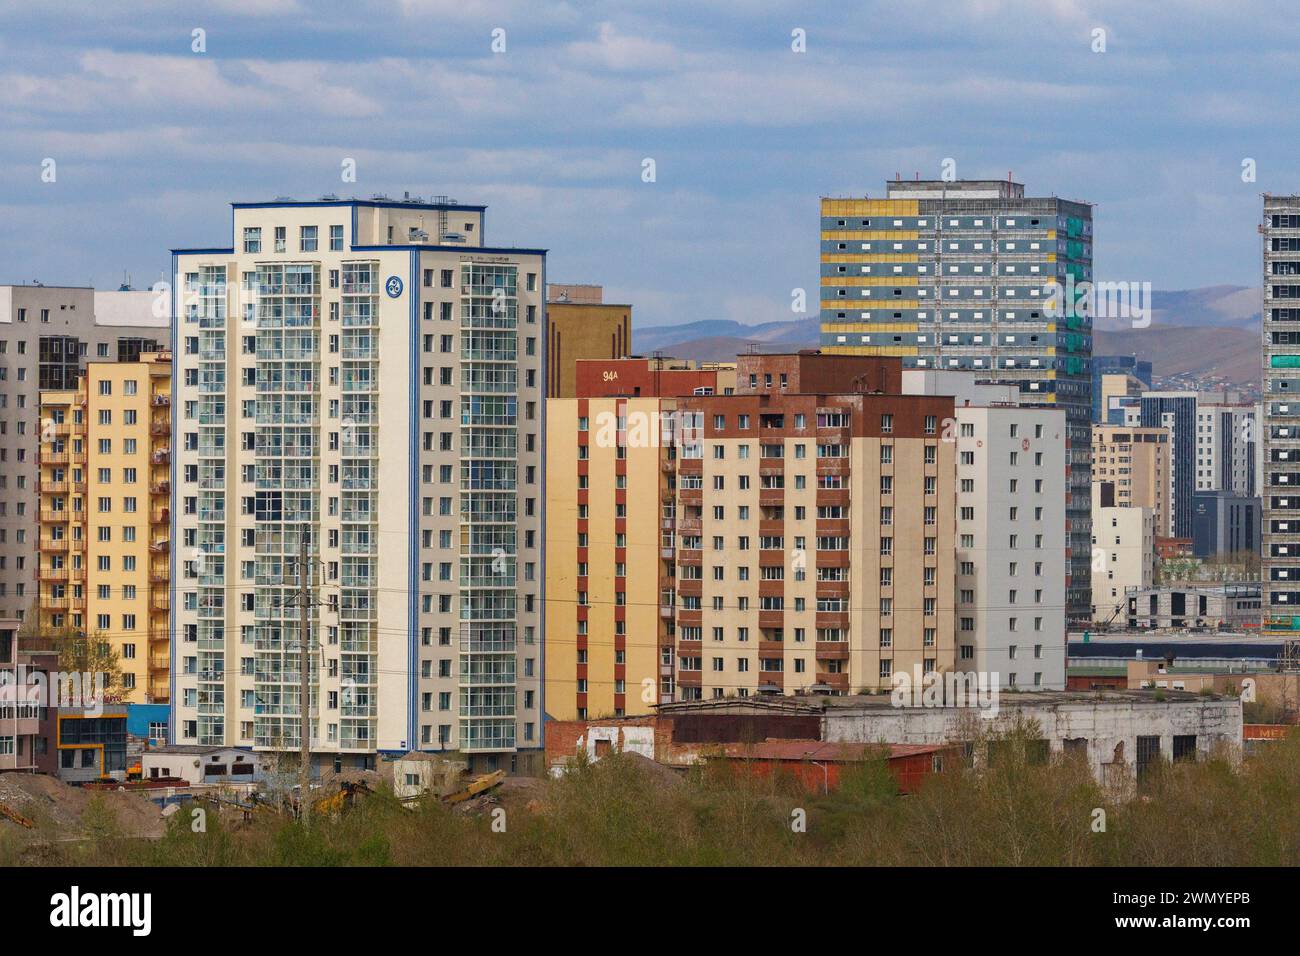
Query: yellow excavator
[[345, 796], [480, 784]]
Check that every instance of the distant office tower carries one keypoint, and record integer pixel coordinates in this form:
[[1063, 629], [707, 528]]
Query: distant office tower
[[967, 275], [1226, 523], [1135, 463], [105, 528], [580, 325], [1176, 411], [47, 334], [1103, 365], [1280, 485], [365, 376], [1226, 433], [1120, 391]]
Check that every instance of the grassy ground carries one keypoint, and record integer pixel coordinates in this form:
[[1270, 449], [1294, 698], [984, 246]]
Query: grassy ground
[[621, 812]]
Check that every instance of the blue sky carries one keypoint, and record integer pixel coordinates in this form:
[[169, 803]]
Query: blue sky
[[152, 141]]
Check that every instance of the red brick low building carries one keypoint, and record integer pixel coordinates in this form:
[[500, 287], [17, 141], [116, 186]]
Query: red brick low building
[[687, 740]]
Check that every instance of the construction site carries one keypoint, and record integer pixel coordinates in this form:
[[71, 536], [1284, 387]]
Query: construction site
[[38, 811]]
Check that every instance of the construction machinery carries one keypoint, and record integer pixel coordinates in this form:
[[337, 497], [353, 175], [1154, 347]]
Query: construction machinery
[[345, 796], [11, 814], [479, 785]]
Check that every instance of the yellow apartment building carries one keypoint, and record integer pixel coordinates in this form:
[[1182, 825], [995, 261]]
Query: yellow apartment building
[[105, 487]]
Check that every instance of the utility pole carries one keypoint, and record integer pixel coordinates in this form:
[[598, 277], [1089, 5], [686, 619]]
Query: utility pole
[[304, 684]]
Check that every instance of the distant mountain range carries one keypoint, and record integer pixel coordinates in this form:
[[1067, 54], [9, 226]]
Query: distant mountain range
[[1213, 330]]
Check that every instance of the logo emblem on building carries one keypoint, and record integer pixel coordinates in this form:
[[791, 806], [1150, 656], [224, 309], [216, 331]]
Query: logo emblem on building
[[393, 286]]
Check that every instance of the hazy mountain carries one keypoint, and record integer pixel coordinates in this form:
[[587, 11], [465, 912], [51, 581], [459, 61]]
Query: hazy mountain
[[1228, 306], [1193, 331]]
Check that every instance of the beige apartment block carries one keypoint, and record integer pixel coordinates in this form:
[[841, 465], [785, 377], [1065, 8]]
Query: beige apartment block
[[1124, 553], [1136, 462], [47, 335], [365, 378], [105, 524], [805, 536]]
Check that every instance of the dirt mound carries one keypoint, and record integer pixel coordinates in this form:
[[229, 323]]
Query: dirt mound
[[58, 811], [659, 773]]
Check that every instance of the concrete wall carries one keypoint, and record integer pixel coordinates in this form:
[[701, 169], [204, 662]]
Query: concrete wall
[[1109, 727]]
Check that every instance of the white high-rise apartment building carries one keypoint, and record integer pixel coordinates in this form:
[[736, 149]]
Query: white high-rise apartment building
[[1012, 547], [367, 375], [1226, 436]]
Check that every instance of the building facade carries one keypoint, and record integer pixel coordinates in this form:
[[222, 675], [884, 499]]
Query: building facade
[[1281, 405], [105, 518], [1103, 365], [1011, 542], [348, 385], [1124, 539], [47, 334], [1225, 523], [1176, 412], [973, 275], [790, 536], [1226, 434], [580, 324], [1135, 461]]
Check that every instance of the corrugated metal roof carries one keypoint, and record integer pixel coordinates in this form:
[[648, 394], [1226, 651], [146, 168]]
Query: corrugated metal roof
[[822, 751]]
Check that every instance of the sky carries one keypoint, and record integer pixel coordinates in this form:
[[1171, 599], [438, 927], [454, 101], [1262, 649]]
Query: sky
[[151, 140]]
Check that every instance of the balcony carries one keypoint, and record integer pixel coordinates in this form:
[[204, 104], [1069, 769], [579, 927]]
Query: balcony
[[57, 517], [53, 487], [56, 545], [832, 650], [160, 430], [162, 456], [161, 401], [54, 458], [160, 488], [833, 681], [161, 546], [57, 575]]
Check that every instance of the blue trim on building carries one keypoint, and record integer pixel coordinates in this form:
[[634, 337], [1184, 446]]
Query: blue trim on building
[[372, 203], [171, 551], [200, 252], [544, 378], [413, 476]]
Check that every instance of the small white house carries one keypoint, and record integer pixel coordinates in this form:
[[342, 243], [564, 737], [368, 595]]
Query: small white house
[[196, 765]]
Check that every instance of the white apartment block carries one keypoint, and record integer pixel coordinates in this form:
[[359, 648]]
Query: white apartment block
[[1227, 443], [367, 375], [1124, 556], [47, 334], [1011, 531]]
